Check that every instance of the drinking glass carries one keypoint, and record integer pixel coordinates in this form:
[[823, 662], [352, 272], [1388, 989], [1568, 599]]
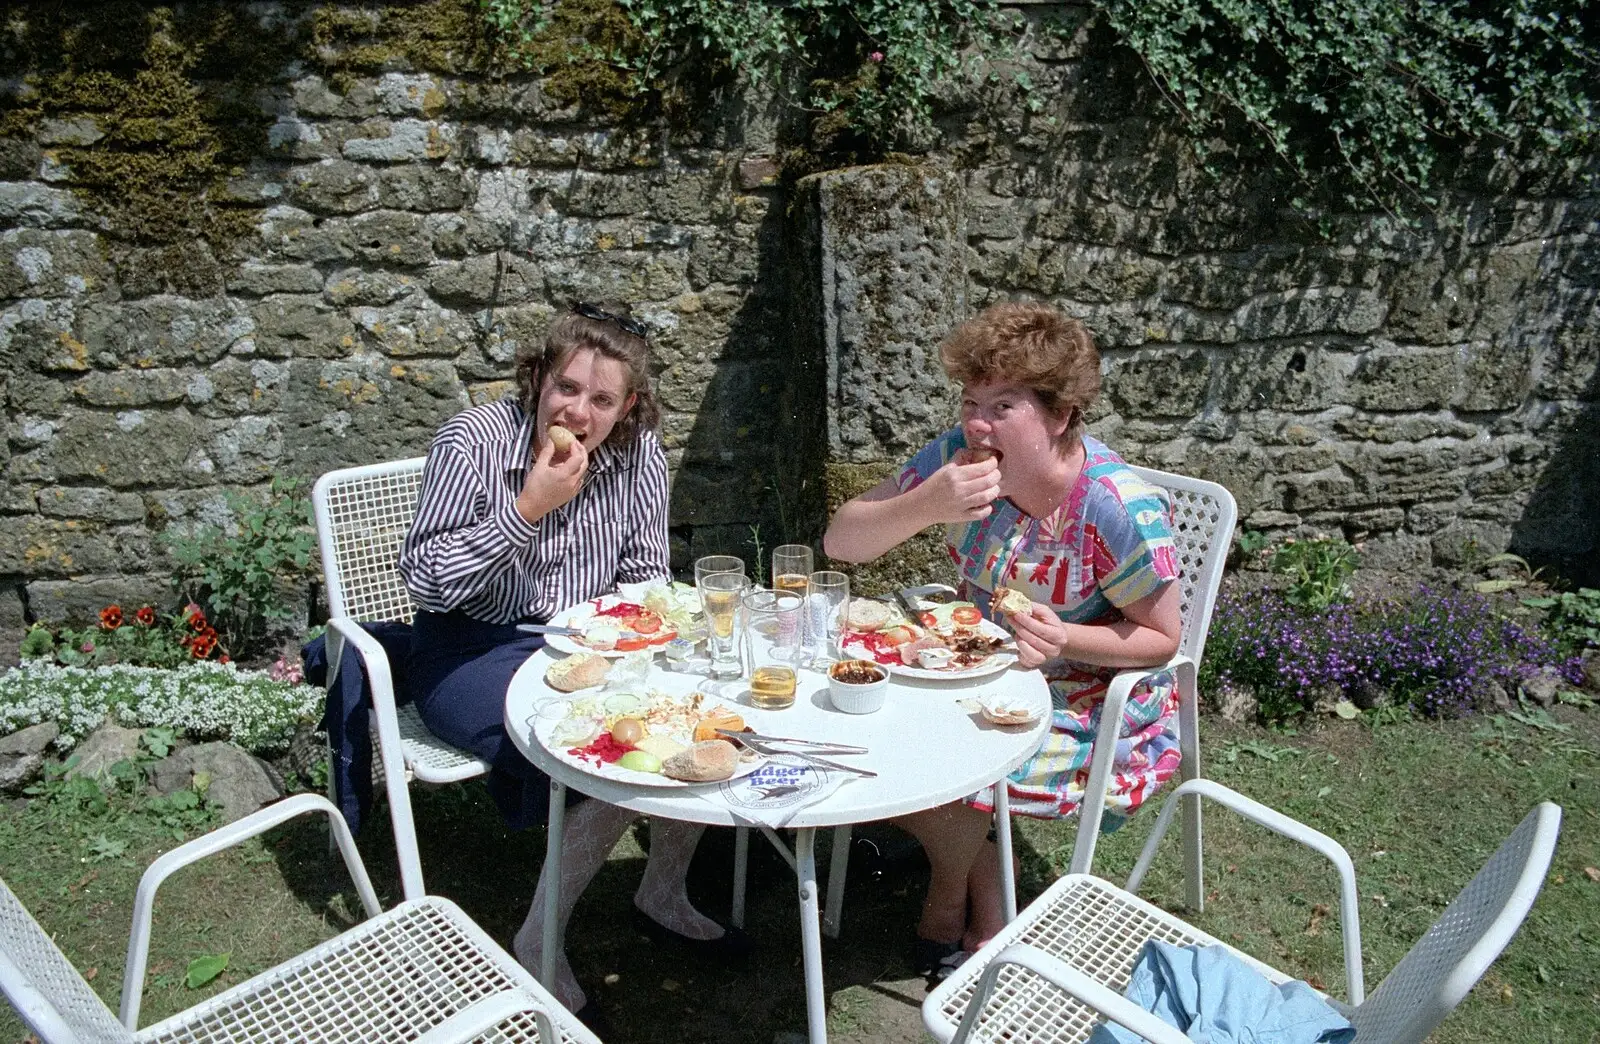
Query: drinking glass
[[719, 598], [827, 605], [791, 568], [717, 564], [773, 642]]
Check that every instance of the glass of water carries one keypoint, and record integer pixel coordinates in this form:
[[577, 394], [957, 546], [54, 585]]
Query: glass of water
[[827, 606]]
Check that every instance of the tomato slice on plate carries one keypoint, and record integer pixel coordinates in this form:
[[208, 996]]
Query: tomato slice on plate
[[928, 619], [646, 622], [966, 615], [632, 644]]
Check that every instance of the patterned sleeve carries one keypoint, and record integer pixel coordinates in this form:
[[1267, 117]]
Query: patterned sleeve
[[1133, 539], [929, 459]]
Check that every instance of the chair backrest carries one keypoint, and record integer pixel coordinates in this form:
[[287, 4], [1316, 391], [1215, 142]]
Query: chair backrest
[[44, 987], [1439, 971], [363, 515], [1203, 514]]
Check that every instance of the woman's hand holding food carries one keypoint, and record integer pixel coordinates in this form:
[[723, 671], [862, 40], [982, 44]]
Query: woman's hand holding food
[[1040, 635], [554, 478], [961, 491]]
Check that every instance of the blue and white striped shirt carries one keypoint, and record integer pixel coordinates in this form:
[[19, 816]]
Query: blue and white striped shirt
[[469, 549]]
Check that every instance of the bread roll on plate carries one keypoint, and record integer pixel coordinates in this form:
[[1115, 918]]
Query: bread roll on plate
[[867, 615], [579, 671], [705, 762]]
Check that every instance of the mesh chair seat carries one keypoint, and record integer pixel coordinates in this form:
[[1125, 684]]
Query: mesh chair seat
[[388, 979], [1096, 928], [430, 758]]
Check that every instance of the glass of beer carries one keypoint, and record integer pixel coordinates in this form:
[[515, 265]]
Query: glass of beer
[[773, 635], [720, 595], [791, 568]]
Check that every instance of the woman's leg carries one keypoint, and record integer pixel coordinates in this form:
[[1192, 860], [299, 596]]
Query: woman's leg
[[663, 894], [592, 830], [951, 835], [985, 919]]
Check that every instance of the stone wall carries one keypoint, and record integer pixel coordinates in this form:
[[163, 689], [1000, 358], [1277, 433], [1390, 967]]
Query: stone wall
[[384, 226]]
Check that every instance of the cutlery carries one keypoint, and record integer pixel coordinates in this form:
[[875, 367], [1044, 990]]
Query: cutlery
[[570, 632], [907, 607], [820, 745], [811, 759]]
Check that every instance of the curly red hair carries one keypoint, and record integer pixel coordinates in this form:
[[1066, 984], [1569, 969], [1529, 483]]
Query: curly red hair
[[1033, 345]]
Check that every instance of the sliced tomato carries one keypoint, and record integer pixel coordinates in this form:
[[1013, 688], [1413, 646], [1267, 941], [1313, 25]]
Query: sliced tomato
[[966, 615], [662, 637], [646, 622], [631, 644], [897, 635], [928, 619]]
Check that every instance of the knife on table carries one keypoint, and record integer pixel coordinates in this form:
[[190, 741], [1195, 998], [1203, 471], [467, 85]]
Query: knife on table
[[913, 615], [570, 632]]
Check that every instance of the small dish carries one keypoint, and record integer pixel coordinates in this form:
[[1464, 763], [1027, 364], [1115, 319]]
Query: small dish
[[857, 686], [935, 659]]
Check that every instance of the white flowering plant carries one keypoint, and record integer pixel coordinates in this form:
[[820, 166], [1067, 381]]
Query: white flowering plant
[[203, 700]]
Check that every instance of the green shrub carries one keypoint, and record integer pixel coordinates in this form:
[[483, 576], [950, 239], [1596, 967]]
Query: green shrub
[[1572, 618], [1319, 570]]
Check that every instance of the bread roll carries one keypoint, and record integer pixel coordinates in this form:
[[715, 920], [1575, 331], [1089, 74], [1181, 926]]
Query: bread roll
[[561, 439], [979, 454], [705, 762], [579, 671], [867, 615], [1008, 601]]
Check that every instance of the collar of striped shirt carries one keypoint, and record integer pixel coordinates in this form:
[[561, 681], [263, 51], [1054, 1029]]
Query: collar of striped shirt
[[603, 459]]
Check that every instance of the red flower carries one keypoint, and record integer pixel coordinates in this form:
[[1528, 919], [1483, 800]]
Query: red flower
[[111, 617], [208, 632], [201, 647], [145, 617], [195, 617], [224, 658]]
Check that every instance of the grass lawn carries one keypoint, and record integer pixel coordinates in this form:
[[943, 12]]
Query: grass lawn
[[1419, 805]]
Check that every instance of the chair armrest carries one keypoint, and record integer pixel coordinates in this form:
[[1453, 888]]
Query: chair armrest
[[485, 1014], [1105, 753], [1294, 830], [342, 629], [1056, 971], [209, 844]]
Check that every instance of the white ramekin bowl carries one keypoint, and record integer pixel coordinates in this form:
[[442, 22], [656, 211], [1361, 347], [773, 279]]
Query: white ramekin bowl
[[858, 697]]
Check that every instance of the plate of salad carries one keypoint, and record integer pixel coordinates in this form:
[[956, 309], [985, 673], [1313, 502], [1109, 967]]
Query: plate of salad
[[639, 617]]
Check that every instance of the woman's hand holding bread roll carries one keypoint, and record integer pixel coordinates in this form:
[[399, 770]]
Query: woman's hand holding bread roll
[[555, 476]]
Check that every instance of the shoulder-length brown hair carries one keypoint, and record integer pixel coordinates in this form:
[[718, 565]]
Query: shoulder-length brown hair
[[571, 332], [1034, 345]]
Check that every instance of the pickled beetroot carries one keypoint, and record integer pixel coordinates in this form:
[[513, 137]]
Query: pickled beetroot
[[603, 751]]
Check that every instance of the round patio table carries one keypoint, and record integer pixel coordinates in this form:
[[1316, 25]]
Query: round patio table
[[925, 748]]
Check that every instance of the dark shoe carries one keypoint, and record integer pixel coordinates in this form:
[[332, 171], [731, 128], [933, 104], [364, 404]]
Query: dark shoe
[[733, 945], [935, 961], [591, 1015]]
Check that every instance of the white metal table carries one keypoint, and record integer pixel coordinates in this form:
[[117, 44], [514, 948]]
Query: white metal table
[[926, 749]]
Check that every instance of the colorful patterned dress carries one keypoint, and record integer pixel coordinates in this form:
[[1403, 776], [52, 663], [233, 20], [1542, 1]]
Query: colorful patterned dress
[[1107, 545]]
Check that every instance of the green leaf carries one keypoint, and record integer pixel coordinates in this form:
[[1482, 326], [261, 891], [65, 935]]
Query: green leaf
[[203, 969], [1324, 792], [1347, 710], [1496, 586]]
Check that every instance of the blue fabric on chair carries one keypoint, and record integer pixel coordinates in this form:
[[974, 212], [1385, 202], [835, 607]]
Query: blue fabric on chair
[[1216, 998], [347, 717]]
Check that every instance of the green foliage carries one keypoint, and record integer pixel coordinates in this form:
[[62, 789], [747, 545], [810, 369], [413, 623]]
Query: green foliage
[[245, 576], [202, 970], [1572, 618], [1251, 541], [868, 71], [1357, 100], [1318, 569]]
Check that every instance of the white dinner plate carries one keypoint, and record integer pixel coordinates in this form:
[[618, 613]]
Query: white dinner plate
[[580, 614], [545, 722], [995, 662]]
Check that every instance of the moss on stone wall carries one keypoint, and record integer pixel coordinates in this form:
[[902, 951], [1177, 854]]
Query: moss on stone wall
[[445, 36], [144, 110]]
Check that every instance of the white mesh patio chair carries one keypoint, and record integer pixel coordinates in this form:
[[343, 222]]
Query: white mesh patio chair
[[363, 515], [422, 972], [1057, 970]]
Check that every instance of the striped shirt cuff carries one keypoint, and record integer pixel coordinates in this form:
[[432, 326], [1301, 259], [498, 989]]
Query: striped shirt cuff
[[517, 530]]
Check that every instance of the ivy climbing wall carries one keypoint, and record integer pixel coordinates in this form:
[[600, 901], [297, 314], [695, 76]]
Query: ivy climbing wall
[[240, 241]]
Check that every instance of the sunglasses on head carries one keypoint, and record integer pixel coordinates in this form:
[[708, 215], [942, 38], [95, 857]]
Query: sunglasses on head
[[600, 315]]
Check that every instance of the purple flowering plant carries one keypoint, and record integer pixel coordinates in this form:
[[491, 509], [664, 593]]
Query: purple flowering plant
[[1432, 651]]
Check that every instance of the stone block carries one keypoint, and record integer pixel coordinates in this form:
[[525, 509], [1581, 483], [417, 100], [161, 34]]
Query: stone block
[[255, 280], [401, 94], [628, 275], [333, 187], [1415, 428], [591, 194], [1313, 310], [133, 448], [1169, 382], [289, 234], [238, 386], [1395, 552], [421, 188], [1495, 375], [1300, 377], [339, 412], [415, 326], [359, 286], [39, 206], [1320, 491], [758, 172], [1569, 364], [89, 502], [37, 335], [1240, 468], [1464, 544], [163, 331], [19, 158], [103, 748], [301, 325], [22, 755], [38, 546], [237, 783], [128, 388], [1392, 379], [78, 601], [400, 141], [36, 262], [295, 138], [391, 237], [501, 278]]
